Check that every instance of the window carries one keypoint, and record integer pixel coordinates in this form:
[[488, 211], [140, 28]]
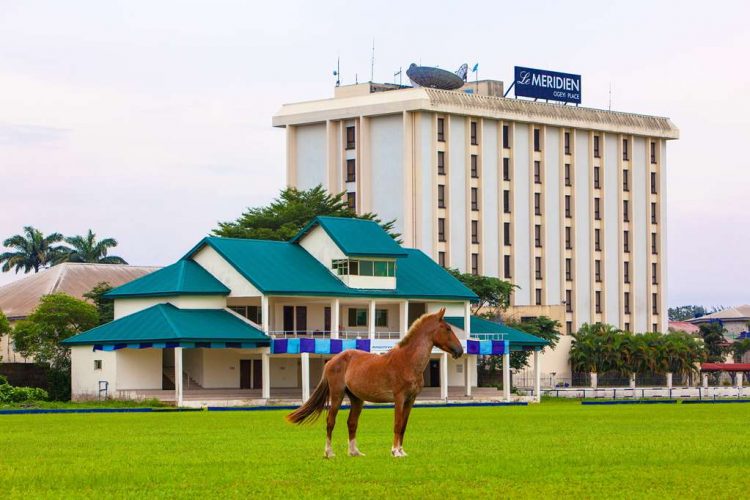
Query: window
[[653, 182], [569, 301], [537, 203], [474, 167], [537, 172], [537, 235], [597, 185], [597, 239], [653, 152], [598, 301], [350, 138], [569, 327], [654, 303], [506, 169], [441, 229], [475, 231], [506, 137], [441, 162], [97, 364], [538, 296], [626, 272], [653, 213], [300, 318], [357, 317], [654, 274], [626, 304], [475, 264], [537, 143], [474, 133], [538, 267], [506, 233], [597, 211], [381, 317], [625, 155], [253, 313], [625, 211], [596, 147], [506, 201], [506, 266], [568, 269], [568, 238], [441, 196], [627, 326], [567, 174], [598, 271], [625, 181], [441, 129], [351, 170], [359, 267], [474, 199], [351, 200], [626, 241], [567, 206], [567, 143], [655, 327], [654, 248], [441, 259]]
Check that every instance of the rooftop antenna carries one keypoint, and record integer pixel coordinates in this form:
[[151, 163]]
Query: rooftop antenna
[[372, 62], [337, 71], [397, 74]]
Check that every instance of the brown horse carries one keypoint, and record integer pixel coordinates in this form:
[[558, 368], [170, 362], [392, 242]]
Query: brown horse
[[396, 376]]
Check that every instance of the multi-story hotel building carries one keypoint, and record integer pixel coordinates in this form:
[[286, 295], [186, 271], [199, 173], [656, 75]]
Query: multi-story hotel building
[[566, 202]]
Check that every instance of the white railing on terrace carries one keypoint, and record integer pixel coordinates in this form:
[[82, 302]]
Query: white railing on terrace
[[343, 334], [487, 336]]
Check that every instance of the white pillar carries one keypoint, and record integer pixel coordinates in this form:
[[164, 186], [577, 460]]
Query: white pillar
[[506, 376], [178, 376], [266, 374], [705, 380], [467, 319], [305, 357], [335, 311], [371, 320], [444, 376], [403, 308], [537, 376], [265, 312], [669, 380], [468, 372], [632, 380], [739, 379], [594, 380]]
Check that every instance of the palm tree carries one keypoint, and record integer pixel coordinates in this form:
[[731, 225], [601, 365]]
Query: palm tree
[[31, 250], [87, 249]]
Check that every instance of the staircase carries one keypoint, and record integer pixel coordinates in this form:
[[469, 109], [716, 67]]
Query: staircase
[[167, 380]]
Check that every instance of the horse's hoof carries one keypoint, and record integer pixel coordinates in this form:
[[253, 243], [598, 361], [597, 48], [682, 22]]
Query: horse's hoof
[[397, 453], [329, 454], [356, 453]]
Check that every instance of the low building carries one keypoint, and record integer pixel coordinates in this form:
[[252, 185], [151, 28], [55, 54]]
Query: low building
[[239, 320], [735, 320]]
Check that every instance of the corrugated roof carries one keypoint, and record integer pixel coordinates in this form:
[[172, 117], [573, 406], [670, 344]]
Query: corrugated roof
[[167, 323], [19, 298], [738, 313], [517, 338], [184, 277], [355, 237]]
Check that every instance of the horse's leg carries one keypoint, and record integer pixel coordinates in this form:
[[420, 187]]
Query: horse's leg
[[337, 395], [354, 412], [405, 420], [398, 419]]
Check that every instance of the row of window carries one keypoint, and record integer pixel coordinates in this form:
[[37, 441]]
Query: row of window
[[474, 198], [361, 267], [295, 318], [598, 303]]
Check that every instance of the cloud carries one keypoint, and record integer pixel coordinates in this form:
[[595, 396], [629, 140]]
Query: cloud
[[16, 134]]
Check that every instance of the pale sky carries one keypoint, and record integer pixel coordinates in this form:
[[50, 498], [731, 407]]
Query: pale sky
[[149, 121]]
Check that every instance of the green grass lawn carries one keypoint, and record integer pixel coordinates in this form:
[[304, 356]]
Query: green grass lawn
[[553, 449]]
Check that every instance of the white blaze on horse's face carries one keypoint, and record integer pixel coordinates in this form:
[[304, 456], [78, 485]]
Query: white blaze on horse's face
[[445, 339]]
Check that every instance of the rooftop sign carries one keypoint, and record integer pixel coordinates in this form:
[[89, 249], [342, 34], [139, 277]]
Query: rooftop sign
[[550, 85]]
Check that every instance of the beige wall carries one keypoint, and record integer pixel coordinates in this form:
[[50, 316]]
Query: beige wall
[[84, 378], [127, 306], [215, 264], [139, 369]]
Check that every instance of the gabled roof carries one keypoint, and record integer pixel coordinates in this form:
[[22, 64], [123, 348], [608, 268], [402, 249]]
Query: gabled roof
[[738, 313], [185, 277], [19, 298], [285, 268], [485, 327], [355, 237], [167, 323]]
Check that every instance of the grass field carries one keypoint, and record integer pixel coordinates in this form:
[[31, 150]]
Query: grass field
[[553, 449]]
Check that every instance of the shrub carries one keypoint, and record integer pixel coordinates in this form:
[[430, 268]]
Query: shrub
[[3, 380], [10, 394]]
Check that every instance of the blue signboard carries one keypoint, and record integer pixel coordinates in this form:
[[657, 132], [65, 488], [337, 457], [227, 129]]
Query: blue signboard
[[550, 85]]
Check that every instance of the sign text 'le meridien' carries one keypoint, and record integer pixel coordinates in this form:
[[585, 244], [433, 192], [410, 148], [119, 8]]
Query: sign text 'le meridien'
[[550, 85]]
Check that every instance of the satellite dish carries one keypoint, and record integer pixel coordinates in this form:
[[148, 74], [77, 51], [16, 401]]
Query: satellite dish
[[436, 78]]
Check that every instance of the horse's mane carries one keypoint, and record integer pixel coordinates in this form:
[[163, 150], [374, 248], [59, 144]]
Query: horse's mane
[[417, 325]]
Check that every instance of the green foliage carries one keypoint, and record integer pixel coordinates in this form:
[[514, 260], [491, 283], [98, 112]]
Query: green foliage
[[492, 292], [104, 306], [290, 212], [4, 326], [57, 317], [739, 348], [10, 394], [87, 249], [684, 313], [31, 250], [716, 344], [542, 327]]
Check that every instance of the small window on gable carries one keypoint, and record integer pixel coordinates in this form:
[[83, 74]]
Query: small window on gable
[[97, 364]]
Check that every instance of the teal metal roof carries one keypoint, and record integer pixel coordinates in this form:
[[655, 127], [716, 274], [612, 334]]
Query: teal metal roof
[[355, 237], [182, 278], [167, 323], [487, 329], [284, 268]]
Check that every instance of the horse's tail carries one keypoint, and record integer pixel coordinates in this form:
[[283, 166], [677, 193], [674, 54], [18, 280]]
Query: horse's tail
[[313, 407]]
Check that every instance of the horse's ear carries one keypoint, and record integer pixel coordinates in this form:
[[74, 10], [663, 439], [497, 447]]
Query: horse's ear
[[441, 313]]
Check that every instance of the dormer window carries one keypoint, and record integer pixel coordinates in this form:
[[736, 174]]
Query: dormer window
[[364, 267]]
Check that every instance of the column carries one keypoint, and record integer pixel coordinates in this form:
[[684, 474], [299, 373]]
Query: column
[[506, 375], [266, 374], [468, 365], [335, 311], [705, 380], [669, 380], [305, 357], [178, 376], [739, 379], [467, 319], [371, 320], [403, 309], [594, 380], [632, 381], [444, 376], [266, 314], [537, 376]]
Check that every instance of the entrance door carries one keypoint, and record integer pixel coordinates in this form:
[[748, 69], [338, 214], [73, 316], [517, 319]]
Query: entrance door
[[434, 368], [257, 374], [246, 366]]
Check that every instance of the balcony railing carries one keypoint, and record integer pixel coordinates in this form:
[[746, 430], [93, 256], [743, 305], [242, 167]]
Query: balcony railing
[[343, 334]]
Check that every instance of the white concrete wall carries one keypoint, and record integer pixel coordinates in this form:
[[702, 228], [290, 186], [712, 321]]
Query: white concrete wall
[[584, 217], [192, 363], [551, 211], [139, 369], [84, 378], [451, 308], [127, 306], [222, 270], [641, 237], [521, 238], [425, 191], [318, 244], [456, 202], [387, 165], [489, 238], [370, 282], [285, 372], [611, 232], [661, 179], [311, 155], [221, 367], [456, 372]]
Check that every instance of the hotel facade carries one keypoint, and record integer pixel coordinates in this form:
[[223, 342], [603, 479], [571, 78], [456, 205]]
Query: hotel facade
[[568, 203]]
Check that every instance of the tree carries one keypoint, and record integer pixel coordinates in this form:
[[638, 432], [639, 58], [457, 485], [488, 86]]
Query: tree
[[492, 292], [105, 307], [739, 348], [715, 343], [4, 327], [57, 317], [542, 327], [31, 250], [87, 249], [290, 212]]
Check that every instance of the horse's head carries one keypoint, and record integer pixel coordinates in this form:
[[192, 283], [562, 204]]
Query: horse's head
[[444, 337]]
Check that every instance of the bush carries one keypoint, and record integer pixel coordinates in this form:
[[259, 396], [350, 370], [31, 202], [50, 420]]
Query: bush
[[3, 380], [10, 394], [59, 384]]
